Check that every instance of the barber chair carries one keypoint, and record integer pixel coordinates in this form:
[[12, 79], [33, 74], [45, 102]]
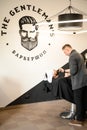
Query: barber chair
[[69, 114]]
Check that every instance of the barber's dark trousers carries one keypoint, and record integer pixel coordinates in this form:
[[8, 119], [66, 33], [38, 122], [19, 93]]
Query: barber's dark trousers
[[80, 103]]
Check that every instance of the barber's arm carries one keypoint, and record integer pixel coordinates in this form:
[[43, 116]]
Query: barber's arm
[[55, 73], [65, 71], [73, 64]]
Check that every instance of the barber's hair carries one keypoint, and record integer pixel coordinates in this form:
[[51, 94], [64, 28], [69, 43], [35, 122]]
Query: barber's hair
[[66, 45], [27, 20]]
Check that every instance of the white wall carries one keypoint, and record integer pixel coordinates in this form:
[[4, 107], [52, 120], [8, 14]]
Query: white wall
[[17, 75]]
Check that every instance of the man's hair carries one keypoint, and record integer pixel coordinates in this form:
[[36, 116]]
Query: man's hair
[[66, 45], [27, 20]]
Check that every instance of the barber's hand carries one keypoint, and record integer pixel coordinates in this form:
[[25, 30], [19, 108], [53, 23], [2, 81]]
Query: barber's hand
[[61, 70], [55, 75]]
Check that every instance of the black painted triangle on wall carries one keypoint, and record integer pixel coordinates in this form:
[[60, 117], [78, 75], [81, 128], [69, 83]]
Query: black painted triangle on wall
[[39, 93]]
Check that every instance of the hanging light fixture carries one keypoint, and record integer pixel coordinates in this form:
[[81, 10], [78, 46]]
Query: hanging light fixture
[[71, 15], [70, 21]]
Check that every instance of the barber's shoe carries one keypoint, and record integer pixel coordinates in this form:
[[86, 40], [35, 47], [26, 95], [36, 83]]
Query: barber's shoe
[[76, 123], [68, 115]]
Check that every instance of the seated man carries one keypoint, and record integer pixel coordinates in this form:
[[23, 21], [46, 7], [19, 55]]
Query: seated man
[[59, 83], [48, 78], [64, 91]]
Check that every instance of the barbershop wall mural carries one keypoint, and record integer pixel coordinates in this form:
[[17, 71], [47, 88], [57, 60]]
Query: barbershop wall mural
[[29, 48]]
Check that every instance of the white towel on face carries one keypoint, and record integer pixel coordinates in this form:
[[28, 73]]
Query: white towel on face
[[48, 76]]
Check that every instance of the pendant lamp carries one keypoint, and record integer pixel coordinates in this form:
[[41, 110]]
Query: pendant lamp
[[72, 14]]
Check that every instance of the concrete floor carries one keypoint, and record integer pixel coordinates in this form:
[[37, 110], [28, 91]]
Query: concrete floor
[[37, 116]]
